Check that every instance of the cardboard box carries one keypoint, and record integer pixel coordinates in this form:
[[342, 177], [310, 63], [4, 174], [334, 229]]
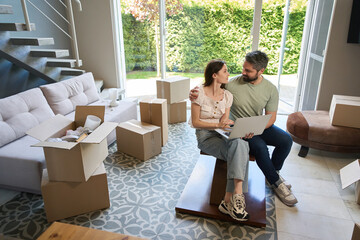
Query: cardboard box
[[73, 161], [177, 112], [356, 232], [138, 139], [154, 111], [66, 199], [345, 111], [351, 174], [173, 89]]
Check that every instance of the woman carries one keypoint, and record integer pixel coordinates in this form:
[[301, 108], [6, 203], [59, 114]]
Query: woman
[[209, 111]]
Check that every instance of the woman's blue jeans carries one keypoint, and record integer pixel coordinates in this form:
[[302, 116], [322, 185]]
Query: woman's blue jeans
[[235, 152], [272, 136]]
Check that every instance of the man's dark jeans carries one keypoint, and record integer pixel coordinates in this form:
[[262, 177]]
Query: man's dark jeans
[[282, 142]]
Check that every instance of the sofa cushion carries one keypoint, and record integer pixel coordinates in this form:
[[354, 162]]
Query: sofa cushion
[[21, 112], [21, 165], [315, 126], [64, 96]]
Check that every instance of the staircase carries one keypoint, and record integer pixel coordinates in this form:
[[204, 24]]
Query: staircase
[[51, 65]]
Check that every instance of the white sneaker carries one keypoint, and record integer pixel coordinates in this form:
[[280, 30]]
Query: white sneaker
[[225, 207], [238, 208], [285, 195], [288, 185]]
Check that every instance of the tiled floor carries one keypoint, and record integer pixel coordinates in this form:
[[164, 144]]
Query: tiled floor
[[324, 211]]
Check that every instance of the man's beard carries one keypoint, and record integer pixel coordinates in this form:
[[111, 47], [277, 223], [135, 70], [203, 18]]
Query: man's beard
[[247, 79]]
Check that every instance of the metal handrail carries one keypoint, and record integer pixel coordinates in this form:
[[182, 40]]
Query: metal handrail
[[73, 32], [69, 20], [68, 35], [56, 11], [26, 15]]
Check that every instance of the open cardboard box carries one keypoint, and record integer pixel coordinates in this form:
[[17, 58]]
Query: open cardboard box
[[73, 161], [351, 174]]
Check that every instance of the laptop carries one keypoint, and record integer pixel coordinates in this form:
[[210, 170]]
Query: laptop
[[246, 125]]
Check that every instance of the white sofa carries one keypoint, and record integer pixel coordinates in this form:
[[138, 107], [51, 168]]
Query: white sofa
[[20, 164]]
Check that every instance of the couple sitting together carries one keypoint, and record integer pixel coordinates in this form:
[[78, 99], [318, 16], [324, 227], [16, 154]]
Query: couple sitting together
[[216, 104]]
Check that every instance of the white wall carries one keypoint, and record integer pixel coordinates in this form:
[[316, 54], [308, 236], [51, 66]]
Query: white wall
[[342, 60], [95, 40]]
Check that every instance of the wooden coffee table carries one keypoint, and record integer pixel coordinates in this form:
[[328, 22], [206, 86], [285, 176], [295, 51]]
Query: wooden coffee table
[[66, 231], [196, 198]]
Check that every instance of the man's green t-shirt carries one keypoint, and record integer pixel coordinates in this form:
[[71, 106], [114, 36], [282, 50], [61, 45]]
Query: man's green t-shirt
[[251, 100]]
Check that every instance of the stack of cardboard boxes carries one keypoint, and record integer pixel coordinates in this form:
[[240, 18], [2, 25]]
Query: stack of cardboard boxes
[[75, 180], [144, 139], [175, 90]]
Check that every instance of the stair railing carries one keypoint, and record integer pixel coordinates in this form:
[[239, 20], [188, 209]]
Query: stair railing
[[69, 20]]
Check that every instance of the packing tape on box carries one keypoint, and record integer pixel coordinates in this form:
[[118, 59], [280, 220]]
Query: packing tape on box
[[149, 102], [162, 90], [153, 142], [150, 109], [140, 127]]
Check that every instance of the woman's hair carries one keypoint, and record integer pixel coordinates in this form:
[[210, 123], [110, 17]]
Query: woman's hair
[[214, 66]]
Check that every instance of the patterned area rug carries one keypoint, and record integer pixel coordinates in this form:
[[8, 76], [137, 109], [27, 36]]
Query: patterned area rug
[[143, 196]]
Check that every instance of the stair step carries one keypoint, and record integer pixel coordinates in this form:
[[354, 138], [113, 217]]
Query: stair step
[[32, 41], [72, 72], [52, 53], [70, 63], [16, 27], [6, 9]]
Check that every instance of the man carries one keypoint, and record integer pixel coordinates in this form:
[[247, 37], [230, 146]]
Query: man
[[254, 94]]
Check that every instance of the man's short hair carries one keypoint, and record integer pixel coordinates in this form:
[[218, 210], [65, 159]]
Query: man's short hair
[[258, 59]]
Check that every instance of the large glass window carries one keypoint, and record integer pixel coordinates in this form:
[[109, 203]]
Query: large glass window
[[200, 30], [196, 32], [273, 21]]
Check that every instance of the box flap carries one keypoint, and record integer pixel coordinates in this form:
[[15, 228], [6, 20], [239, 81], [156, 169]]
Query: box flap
[[100, 133], [49, 127], [62, 145], [81, 113], [350, 174]]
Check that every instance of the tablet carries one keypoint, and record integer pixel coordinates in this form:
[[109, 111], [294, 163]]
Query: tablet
[[245, 126]]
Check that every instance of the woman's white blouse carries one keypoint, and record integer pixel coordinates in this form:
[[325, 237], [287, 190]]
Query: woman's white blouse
[[211, 110]]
